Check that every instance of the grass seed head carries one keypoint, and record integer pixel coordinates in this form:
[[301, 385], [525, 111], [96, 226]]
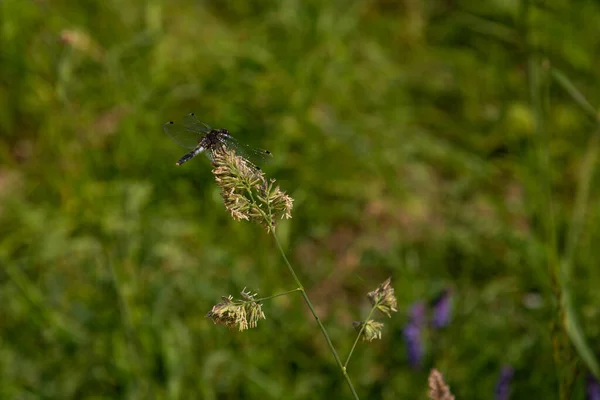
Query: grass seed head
[[372, 329], [383, 298], [247, 193]]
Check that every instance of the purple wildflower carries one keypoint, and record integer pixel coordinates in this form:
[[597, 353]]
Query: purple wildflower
[[593, 388], [417, 314], [442, 309], [412, 335], [503, 384]]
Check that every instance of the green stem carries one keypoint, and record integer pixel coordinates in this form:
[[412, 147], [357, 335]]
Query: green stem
[[270, 219], [265, 216], [314, 313], [539, 85], [277, 295], [362, 328], [128, 328], [543, 183]]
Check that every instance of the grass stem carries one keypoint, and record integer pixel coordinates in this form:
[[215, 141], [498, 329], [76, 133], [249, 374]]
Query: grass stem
[[362, 328], [314, 313], [277, 295]]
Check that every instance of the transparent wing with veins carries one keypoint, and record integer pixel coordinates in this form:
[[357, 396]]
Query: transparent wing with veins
[[195, 125], [252, 154], [189, 133]]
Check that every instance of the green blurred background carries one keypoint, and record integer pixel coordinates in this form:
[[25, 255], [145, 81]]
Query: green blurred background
[[448, 144]]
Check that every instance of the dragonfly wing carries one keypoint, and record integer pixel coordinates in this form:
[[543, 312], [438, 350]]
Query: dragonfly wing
[[253, 154], [181, 135], [195, 125]]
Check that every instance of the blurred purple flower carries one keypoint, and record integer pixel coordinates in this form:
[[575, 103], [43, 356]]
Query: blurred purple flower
[[593, 388], [442, 309], [414, 345], [417, 314], [503, 384], [412, 335]]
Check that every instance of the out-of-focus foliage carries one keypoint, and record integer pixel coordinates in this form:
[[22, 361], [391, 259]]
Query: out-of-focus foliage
[[426, 141]]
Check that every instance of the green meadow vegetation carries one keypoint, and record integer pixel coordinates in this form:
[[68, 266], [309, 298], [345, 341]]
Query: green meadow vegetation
[[450, 145]]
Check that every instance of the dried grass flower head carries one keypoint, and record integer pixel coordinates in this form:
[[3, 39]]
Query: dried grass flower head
[[383, 298], [369, 330], [247, 193], [438, 389], [243, 314]]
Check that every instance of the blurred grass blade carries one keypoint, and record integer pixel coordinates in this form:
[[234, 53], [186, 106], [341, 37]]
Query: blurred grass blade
[[582, 194], [46, 313], [576, 334], [579, 98], [571, 322], [487, 27]]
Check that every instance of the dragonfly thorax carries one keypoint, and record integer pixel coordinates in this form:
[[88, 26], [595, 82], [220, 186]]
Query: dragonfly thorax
[[214, 139]]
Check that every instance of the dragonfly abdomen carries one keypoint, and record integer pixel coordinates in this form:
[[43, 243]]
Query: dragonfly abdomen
[[190, 155]]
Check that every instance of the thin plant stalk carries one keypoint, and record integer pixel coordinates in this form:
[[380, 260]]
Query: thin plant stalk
[[314, 313], [536, 91], [537, 84], [248, 195], [362, 328], [277, 295], [584, 183]]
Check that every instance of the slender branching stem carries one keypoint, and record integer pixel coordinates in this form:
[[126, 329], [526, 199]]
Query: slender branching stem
[[314, 313], [265, 216], [278, 295], [362, 328], [248, 195]]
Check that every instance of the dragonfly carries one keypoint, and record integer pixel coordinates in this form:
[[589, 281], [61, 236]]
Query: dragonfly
[[199, 137]]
